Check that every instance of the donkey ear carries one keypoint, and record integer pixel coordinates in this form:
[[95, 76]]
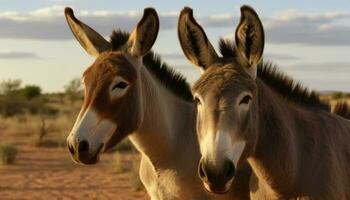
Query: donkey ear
[[194, 42], [250, 39], [90, 40], [145, 34]]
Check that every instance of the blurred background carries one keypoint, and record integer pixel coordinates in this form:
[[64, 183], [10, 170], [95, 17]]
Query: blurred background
[[41, 64]]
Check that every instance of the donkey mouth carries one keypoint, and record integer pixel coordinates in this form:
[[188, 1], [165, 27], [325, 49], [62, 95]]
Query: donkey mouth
[[222, 189], [113, 141], [88, 159]]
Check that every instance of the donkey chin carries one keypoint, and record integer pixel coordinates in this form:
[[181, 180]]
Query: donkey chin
[[218, 189]]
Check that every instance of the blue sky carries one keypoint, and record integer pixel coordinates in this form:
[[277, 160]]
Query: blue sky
[[309, 40]]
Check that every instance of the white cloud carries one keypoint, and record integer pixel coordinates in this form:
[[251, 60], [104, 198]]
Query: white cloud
[[52, 11], [49, 23], [317, 29], [17, 55], [275, 56], [290, 26], [325, 76]]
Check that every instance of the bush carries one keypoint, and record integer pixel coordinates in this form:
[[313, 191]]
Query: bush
[[74, 90], [11, 105], [337, 95], [31, 91], [15, 100], [8, 152], [43, 128], [9, 87]]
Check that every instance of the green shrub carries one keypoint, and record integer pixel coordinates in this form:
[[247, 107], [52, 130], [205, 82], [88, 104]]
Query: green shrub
[[74, 90], [8, 87], [11, 105], [8, 152], [31, 91]]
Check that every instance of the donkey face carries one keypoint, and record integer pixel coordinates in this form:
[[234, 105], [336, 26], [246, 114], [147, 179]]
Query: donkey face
[[112, 106], [226, 96]]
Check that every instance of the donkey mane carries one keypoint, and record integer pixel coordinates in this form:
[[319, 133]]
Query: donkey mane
[[342, 109], [278, 81], [171, 79]]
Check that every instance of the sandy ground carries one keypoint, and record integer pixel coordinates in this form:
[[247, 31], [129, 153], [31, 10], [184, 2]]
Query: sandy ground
[[49, 173]]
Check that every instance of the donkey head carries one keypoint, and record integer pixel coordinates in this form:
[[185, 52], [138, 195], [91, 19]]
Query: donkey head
[[226, 95], [112, 106]]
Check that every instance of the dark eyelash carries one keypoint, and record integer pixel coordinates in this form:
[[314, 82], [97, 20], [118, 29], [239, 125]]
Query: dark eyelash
[[120, 85], [246, 99]]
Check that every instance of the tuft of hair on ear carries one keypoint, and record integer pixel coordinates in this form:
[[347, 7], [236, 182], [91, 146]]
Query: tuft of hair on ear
[[227, 48], [188, 41], [118, 39], [250, 36]]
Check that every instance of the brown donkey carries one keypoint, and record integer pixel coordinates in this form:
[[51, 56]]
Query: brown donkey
[[130, 92], [248, 112]]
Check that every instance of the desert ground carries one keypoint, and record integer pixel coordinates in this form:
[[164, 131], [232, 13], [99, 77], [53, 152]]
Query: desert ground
[[49, 173]]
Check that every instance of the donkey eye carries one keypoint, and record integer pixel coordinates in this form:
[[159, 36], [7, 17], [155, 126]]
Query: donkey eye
[[120, 85], [246, 99], [197, 101]]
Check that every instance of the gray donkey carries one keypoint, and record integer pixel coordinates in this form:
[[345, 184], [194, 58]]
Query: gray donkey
[[250, 112]]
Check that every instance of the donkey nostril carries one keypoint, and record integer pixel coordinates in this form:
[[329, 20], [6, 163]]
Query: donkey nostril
[[83, 146], [230, 170]]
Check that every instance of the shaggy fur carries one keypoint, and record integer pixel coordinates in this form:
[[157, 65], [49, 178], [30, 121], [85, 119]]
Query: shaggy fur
[[296, 147]]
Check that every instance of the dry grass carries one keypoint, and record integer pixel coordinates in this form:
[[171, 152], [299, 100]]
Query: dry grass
[[134, 178], [8, 152], [118, 165], [43, 130], [333, 101], [131, 167], [21, 125]]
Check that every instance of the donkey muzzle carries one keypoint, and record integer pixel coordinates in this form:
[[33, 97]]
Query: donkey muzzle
[[216, 179]]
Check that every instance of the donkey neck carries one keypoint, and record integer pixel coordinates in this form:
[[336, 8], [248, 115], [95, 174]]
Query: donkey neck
[[168, 123], [277, 158]]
